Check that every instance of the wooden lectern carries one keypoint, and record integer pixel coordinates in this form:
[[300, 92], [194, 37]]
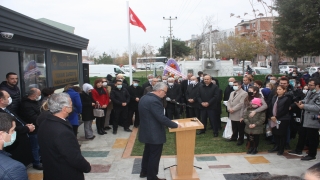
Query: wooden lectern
[[185, 142]]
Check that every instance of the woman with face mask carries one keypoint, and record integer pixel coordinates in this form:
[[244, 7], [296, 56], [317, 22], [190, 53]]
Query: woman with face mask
[[87, 110], [101, 97]]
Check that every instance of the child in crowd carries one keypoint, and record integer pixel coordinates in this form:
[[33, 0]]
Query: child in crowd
[[254, 125]]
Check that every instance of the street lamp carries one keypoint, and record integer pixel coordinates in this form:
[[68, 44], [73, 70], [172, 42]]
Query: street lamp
[[214, 52]]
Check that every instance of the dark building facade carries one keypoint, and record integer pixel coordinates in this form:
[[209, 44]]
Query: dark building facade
[[41, 55]]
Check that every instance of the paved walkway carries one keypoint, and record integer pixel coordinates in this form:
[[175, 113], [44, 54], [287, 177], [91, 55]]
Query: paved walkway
[[110, 158]]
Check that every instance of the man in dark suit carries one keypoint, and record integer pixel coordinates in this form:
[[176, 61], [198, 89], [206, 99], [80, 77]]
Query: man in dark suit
[[191, 96], [200, 76], [208, 97], [148, 83], [60, 150], [135, 92], [152, 130], [20, 150], [246, 84], [184, 85], [173, 95], [227, 91]]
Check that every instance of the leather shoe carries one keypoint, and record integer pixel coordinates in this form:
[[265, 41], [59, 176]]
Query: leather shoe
[[100, 132], [91, 137], [114, 132], [38, 167], [107, 128], [128, 130], [143, 175], [239, 143], [161, 178], [200, 132], [274, 149]]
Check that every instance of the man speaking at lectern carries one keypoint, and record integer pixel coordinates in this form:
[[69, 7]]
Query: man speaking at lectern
[[152, 130]]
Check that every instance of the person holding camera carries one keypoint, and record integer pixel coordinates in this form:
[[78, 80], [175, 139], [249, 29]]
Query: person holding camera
[[310, 121]]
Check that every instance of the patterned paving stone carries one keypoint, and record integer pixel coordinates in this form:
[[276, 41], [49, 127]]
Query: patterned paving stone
[[257, 160], [246, 176], [35, 176], [120, 143], [206, 158], [98, 168], [136, 166], [219, 166], [94, 153]]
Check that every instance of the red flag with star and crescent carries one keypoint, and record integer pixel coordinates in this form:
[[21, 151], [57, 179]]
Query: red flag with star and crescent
[[134, 20]]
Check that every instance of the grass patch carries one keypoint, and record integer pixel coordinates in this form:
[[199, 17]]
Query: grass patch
[[207, 144]]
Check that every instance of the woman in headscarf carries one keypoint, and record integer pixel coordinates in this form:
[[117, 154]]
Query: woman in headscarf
[[87, 110]]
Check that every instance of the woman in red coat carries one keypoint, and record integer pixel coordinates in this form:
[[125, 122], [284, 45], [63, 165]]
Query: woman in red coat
[[101, 96]]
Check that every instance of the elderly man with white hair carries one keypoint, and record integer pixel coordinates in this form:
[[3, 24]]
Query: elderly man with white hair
[[173, 96]]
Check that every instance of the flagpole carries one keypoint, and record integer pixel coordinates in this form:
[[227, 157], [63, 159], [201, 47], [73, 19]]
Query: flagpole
[[129, 44]]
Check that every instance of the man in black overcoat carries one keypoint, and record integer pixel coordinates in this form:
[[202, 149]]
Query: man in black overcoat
[[135, 92]]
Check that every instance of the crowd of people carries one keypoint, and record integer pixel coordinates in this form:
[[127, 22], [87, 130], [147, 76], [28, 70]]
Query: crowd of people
[[43, 125]]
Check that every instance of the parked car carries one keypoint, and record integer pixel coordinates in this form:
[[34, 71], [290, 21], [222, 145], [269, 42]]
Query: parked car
[[260, 71], [237, 71], [286, 69], [126, 68], [313, 70]]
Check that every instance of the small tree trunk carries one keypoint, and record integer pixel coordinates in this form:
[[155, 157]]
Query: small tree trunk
[[275, 63]]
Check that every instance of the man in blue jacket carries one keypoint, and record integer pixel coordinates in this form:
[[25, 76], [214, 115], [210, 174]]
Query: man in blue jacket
[[152, 130], [9, 168]]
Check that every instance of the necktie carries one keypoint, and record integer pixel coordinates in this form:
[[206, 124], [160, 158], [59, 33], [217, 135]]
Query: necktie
[[246, 87], [188, 82], [6, 110]]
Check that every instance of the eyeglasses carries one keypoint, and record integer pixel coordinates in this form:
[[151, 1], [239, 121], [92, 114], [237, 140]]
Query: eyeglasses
[[68, 106]]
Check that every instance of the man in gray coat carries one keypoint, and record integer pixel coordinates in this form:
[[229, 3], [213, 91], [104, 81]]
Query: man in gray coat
[[234, 105], [152, 130], [310, 121]]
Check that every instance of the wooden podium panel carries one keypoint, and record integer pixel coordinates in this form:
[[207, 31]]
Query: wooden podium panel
[[185, 143]]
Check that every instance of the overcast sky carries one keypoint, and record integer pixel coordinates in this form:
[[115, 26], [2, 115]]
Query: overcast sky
[[104, 22]]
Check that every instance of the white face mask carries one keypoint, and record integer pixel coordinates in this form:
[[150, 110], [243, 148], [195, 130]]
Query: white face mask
[[305, 91], [104, 84], [230, 83], [10, 100], [235, 88], [273, 81], [38, 98], [170, 84], [192, 82], [201, 78], [165, 81]]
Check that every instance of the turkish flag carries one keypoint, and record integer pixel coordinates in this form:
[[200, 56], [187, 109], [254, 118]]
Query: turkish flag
[[134, 20]]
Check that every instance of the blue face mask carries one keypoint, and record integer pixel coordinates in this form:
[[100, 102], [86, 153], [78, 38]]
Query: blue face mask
[[13, 138], [135, 84], [119, 86]]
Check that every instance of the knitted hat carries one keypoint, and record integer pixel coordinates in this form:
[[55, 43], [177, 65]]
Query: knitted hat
[[266, 92], [86, 87], [256, 101]]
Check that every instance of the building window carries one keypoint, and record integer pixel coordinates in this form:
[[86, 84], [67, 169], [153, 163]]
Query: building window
[[305, 60], [239, 28], [313, 60], [34, 69], [253, 24], [248, 27]]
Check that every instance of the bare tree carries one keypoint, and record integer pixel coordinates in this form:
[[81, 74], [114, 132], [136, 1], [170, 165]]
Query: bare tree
[[91, 53]]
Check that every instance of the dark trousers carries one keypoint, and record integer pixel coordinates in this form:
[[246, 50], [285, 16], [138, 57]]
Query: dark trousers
[[120, 114], [173, 111], [101, 120], [253, 140], [75, 129], [310, 134], [150, 160], [35, 149], [211, 114], [136, 117], [238, 129], [194, 112]]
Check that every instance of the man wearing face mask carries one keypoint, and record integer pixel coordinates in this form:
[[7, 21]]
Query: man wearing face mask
[[316, 74], [295, 74], [30, 110], [9, 168], [184, 85], [234, 105], [191, 96], [310, 106], [173, 95], [228, 91], [60, 150], [20, 149], [120, 98], [200, 77], [135, 92], [148, 83], [165, 79]]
